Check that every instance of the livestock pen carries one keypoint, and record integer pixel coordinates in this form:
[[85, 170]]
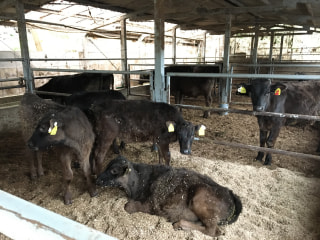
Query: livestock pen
[[281, 201]]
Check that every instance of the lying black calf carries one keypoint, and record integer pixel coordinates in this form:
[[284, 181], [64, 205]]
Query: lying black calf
[[188, 199]]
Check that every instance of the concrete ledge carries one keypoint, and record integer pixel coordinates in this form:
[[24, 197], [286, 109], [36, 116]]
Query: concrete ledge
[[21, 220]]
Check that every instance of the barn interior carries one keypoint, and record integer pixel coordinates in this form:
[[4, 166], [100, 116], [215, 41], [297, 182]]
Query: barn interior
[[231, 19]]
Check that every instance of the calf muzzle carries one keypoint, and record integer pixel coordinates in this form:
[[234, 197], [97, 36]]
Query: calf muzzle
[[186, 151], [259, 108]]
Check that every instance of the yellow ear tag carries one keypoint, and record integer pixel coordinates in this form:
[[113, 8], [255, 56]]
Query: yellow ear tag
[[277, 92], [53, 131], [170, 128], [201, 130], [242, 90]]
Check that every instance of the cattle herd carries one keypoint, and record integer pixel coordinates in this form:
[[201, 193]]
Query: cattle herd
[[83, 126]]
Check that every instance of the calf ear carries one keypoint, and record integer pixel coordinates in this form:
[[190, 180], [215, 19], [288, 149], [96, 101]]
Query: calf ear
[[243, 88], [54, 125], [171, 125], [277, 88], [200, 129], [120, 170]]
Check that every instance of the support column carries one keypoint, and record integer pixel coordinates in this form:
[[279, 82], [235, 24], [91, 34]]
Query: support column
[[161, 90], [271, 46], [281, 48], [124, 57], [225, 82], [255, 50], [27, 73], [270, 51], [174, 45], [204, 46]]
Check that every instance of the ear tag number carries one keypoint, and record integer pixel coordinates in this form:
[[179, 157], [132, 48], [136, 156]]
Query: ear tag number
[[277, 92], [53, 131], [202, 130], [170, 128]]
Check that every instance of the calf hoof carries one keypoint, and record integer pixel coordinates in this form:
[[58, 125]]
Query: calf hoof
[[116, 150], [154, 148], [206, 114], [267, 163], [122, 145], [130, 207], [177, 226], [33, 176], [93, 193], [67, 201]]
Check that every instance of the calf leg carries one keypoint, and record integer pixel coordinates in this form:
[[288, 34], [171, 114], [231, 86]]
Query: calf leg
[[208, 98], [35, 155], [103, 143], [263, 139], [318, 149], [32, 155], [274, 133], [115, 147], [165, 153], [87, 174], [67, 176], [178, 99], [135, 206], [205, 207], [39, 162]]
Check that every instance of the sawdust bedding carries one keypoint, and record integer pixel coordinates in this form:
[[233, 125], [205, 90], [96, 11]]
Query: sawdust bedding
[[279, 202]]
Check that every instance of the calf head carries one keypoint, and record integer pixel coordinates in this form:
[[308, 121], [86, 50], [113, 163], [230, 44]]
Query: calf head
[[185, 134], [116, 174], [264, 94], [260, 94], [48, 133]]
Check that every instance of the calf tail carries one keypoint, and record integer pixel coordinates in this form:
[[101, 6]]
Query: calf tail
[[237, 208]]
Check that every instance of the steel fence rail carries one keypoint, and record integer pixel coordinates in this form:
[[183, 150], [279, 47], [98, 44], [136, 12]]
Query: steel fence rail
[[254, 113]]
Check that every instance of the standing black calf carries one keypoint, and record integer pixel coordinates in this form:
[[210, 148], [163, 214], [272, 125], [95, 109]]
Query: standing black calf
[[140, 120], [299, 97], [32, 109], [71, 133], [188, 199]]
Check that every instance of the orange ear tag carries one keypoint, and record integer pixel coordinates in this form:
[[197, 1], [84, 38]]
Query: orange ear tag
[[277, 92]]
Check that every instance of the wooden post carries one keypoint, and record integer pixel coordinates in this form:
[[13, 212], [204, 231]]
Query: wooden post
[[27, 73], [160, 91]]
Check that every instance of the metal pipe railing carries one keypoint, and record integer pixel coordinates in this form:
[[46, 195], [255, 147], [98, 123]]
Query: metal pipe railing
[[244, 75], [254, 113], [11, 79]]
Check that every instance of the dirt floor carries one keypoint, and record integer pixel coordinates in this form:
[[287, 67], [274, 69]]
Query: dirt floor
[[279, 202]]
